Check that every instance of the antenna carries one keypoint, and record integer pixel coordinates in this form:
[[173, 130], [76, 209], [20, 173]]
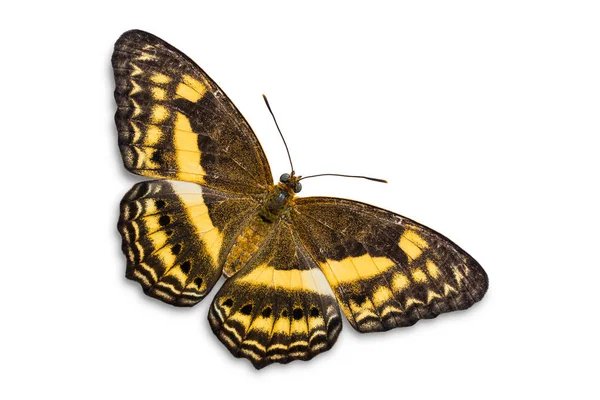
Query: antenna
[[281, 134], [346, 176], [312, 176]]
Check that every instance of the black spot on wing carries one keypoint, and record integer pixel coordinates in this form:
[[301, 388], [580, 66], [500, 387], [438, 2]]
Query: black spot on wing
[[247, 309], [185, 267], [297, 314]]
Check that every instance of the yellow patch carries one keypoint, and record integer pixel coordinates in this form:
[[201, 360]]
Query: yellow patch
[[159, 93], [159, 113], [182, 123], [214, 241], [135, 89], [137, 133], [243, 319], [140, 156], [294, 279], [191, 89], [282, 325], [166, 256], [419, 276], [412, 244], [400, 282], [256, 344], [299, 343], [390, 309], [137, 110], [148, 269], [158, 239], [432, 269], [362, 311], [382, 295], [351, 269], [278, 346], [415, 238], [432, 295], [178, 273], [195, 84], [449, 289], [165, 290], [136, 70], [299, 326], [144, 57], [315, 322], [262, 324], [153, 135], [188, 153], [190, 195], [160, 78], [411, 300], [458, 275], [151, 223]]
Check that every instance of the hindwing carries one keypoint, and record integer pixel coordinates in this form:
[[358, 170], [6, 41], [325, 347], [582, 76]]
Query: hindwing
[[174, 121], [278, 307], [176, 234], [386, 270]]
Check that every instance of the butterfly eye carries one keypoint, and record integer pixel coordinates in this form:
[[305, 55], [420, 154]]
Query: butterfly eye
[[298, 187], [284, 178]]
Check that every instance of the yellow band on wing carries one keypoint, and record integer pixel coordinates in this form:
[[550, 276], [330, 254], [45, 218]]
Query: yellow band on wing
[[188, 151], [295, 279], [190, 195], [351, 269], [412, 244], [191, 89]]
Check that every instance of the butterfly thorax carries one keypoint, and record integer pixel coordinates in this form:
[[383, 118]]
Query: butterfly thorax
[[276, 202]]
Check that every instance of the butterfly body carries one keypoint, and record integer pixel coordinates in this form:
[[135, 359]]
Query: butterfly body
[[294, 264], [247, 243], [277, 202]]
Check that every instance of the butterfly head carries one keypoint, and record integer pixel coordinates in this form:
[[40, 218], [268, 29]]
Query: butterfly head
[[291, 181]]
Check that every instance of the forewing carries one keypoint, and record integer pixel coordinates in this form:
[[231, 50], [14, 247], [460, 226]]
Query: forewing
[[176, 234], [174, 122], [386, 270], [279, 307]]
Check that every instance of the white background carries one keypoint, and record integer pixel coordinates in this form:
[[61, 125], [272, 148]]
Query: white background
[[483, 116]]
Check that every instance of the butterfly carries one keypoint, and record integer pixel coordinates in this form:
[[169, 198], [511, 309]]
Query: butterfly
[[294, 265]]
